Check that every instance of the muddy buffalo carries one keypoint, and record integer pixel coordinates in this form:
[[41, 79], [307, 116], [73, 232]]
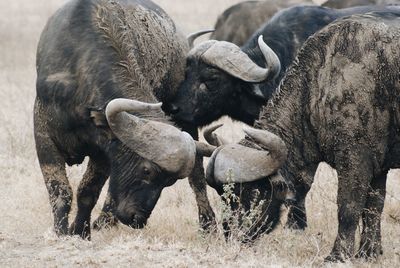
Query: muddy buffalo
[[94, 60], [338, 103], [352, 3], [237, 23]]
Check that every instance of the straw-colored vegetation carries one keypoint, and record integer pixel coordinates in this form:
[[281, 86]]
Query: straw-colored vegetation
[[171, 238]]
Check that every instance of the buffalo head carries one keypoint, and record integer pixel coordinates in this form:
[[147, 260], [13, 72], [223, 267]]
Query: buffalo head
[[253, 174], [146, 156], [221, 79]]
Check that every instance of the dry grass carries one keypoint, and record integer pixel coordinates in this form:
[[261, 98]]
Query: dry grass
[[171, 239]]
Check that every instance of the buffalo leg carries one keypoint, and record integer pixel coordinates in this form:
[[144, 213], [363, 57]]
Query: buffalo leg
[[89, 190], [297, 217], [198, 184], [52, 165], [106, 217], [354, 176], [371, 245]]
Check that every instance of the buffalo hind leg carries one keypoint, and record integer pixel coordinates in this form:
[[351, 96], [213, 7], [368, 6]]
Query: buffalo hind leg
[[370, 244], [106, 217], [354, 170], [52, 165], [89, 190]]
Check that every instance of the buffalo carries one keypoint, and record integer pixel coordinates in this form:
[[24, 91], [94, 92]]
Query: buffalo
[[237, 23], [223, 79], [339, 103], [101, 68], [352, 3]]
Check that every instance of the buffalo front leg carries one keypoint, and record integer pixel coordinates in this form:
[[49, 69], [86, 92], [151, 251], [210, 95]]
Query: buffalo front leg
[[106, 217], [198, 184], [53, 169], [297, 217], [89, 190], [354, 176], [370, 244]]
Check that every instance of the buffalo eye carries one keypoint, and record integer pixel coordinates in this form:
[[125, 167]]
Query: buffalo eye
[[203, 87], [146, 178], [211, 83], [146, 171]]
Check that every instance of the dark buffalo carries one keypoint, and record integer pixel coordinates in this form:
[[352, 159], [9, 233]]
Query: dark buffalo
[[237, 23], [338, 103], [93, 59], [352, 3], [223, 79]]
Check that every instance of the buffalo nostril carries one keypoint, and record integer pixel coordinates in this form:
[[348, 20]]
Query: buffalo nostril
[[172, 108], [290, 201], [175, 109]]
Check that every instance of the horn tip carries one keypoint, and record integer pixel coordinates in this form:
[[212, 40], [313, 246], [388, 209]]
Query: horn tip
[[218, 125], [247, 129], [250, 131]]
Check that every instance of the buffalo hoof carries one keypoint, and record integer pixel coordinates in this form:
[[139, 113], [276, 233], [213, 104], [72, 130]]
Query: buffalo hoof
[[61, 222], [296, 225], [207, 221], [334, 258], [370, 252], [296, 222], [105, 220], [61, 229], [83, 230]]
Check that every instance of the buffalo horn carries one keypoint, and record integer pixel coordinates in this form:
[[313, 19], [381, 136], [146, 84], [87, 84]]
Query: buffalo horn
[[204, 149], [168, 147], [231, 59], [191, 37], [235, 163], [211, 137]]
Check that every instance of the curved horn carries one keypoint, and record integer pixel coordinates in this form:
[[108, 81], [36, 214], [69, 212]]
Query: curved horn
[[117, 106], [191, 37], [171, 149], [231, 59], [236, 163], [204, 149], [272, 60], [274, 144], [211, 137]]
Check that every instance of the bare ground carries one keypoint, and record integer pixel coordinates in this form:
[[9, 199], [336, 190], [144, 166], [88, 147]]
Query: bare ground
[[171, 238]]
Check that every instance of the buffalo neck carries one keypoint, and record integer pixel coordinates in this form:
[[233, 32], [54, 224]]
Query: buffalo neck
[[286, 116], [243, 106], [286, 54]]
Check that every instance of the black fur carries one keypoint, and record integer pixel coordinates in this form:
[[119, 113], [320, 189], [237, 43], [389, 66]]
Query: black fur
[[225, 95], [84, 60]]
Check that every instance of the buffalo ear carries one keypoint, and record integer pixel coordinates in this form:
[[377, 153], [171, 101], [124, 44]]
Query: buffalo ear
[[98, 117]]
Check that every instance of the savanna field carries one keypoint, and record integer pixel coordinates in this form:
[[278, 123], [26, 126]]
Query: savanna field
[[172, 237]]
